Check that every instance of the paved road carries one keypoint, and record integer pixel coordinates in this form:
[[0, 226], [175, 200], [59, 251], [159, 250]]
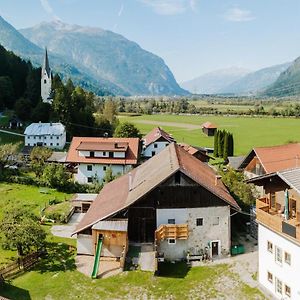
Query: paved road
[[12, 133]]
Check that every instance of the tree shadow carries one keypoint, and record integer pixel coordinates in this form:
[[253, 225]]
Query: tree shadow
[[59, 257], [13, 292], [173, 270]]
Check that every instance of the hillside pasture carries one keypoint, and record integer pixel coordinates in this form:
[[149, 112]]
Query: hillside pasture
[[248, 132]]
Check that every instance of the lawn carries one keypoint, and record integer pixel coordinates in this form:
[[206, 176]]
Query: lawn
[[248, 132], [6, 138], [57, 278], [33, 197]]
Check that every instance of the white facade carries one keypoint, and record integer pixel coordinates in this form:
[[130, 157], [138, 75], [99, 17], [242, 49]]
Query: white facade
[[279, 264], [154, 148], [87, 172], [103, 154], [214, 227], [51, 135]]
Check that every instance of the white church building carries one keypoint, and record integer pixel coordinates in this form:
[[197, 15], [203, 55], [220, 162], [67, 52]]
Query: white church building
[[46, 80]]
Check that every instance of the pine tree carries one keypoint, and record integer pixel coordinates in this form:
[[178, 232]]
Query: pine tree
[[216, 140], [225, 146], [230, 145], [221, 143]]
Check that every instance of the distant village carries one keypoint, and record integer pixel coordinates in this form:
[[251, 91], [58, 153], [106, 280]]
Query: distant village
[[169, 203]]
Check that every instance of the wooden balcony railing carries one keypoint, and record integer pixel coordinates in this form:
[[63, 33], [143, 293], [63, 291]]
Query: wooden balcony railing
[[276, 222], [172, 231]]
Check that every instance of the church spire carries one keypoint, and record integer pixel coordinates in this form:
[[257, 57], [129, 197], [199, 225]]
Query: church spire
[[46, 66]]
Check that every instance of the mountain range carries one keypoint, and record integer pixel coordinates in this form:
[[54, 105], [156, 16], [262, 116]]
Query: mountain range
[[97, 59], [215, 81], [236, 81]]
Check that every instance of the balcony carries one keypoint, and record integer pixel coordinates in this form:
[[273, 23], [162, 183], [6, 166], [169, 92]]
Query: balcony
[[172, 231], [274, 219]]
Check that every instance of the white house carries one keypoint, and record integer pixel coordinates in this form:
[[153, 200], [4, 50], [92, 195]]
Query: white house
[[46, 80], [51, 135], [93, 155], [278, 216], [173, 201], [155, 141]]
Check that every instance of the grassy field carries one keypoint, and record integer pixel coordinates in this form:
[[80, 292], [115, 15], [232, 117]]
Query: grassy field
[[6, 138], [56, 278], [32, 197], [248, 132]]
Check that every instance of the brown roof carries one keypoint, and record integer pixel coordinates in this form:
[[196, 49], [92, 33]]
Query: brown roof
[[102, 146], [155, 134], [131, 153], [125, 190], [190, 149], [209, 125], [275, 158]]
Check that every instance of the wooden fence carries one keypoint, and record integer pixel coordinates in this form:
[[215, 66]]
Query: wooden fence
[[20, 265]]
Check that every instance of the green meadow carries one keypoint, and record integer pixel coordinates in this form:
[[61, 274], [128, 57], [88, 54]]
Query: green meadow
[[248, 132]]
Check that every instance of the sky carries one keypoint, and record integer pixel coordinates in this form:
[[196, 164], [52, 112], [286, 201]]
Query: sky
[[192, 36]]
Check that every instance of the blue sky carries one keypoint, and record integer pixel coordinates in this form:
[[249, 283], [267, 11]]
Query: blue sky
[[192, 36]]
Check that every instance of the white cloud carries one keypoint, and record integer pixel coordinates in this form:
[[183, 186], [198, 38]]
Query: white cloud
[[239, 15], [48, 9], [171, 7], [121, 10]]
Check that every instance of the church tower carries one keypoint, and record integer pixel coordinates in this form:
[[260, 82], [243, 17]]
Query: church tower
[[46, 80]]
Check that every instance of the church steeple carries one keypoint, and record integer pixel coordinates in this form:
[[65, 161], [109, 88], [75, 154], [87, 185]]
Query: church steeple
[[46, 79]]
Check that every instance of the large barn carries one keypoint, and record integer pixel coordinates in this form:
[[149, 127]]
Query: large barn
[[174, 202]]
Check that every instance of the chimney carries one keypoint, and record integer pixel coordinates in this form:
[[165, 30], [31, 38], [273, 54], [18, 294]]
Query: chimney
[[130, 181], [217, 179]]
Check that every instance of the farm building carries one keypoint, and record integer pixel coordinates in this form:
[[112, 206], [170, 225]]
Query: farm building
[[82, 201], [94, 155], [264, 160], [209, 128], [155, 141], [173, 202], [278, 217], [51, 135]]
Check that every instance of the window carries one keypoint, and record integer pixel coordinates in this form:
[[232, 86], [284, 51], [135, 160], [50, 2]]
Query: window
[[104, 153], [28, 144], [199, 222], [216, 221], [270, 247], [153, 153], [34, 137], [92, 154], [287, 258], [45, 144], [28, 137], [104, 168], [278, 286], [278, 255], [51, 137], [155, 145], [171, 221], [287, 290], [57, 144], [51, 144], [45, 137], [90, 179], [177, 178], [57, 137], [40, 137], [89, 167], [171, 241], [270, 277], [45, 81]]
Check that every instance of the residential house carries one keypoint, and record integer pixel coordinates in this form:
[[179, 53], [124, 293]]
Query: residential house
[[209, 128], [51, 135], [173, 201], [155, 141], [278, 216], [94, 155], [198, 152], [264, 160]]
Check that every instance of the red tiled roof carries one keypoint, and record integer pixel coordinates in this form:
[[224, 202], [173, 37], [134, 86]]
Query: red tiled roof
[[209, 125], [277, 158], [96, 143], [102, 146], [155, 134], [190, 149], [127, 189]]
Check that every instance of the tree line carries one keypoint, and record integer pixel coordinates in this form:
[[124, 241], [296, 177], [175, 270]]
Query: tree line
[[223, 144]]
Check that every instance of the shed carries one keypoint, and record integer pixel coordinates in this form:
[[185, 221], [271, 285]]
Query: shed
[[209, 128], [82, 202]]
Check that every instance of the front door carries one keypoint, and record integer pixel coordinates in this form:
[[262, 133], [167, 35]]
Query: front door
[[215, 248]]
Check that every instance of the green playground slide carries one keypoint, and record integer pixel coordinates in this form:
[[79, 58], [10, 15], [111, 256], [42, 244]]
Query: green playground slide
[[97, 258]]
